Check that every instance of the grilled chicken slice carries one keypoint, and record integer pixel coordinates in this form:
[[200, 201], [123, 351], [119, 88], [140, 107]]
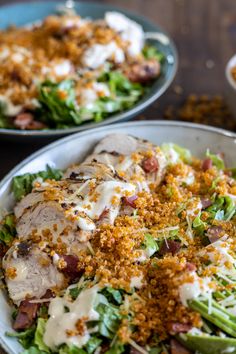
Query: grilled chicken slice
[[29, 272], [65, 213], [122, 144], [117, 150]]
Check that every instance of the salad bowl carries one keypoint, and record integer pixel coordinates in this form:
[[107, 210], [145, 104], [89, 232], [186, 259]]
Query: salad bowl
[[75, 148], [22, 14]]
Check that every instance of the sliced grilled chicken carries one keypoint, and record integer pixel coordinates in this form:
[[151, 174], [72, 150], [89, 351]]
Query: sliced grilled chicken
[[64, 213], [122, 144], [121, 151], [29, 272]]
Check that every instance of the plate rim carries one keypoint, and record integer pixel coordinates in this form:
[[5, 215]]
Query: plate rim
[[138, 108]]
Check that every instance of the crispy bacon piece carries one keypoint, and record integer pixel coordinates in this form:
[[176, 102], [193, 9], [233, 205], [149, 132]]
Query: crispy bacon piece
[[177, 327], [170, 246], [143, 72], [130, 201], [214, 233], [190, 267], [206, 202], [177, 348], [27, 313], [150, 164], [207, 164], [71, 268], [26, 121]]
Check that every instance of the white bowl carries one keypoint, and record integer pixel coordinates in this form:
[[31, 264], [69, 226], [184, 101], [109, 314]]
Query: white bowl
[[231, 85], [75, 147]]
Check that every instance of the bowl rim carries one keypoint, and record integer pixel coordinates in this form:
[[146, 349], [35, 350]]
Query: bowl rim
[[137, 108], [229, 65], [155, 123]]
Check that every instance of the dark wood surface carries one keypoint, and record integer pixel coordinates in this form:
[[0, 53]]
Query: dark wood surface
[[205, 35]]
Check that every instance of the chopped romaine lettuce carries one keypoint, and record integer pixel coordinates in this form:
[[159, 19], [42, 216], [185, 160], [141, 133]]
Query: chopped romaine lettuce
[[151, 52], [38, 338], [23, 184], [8, 229], [26, 338], [58, 105], [150, 245], [216, 160], [112, 295], [174, 153]]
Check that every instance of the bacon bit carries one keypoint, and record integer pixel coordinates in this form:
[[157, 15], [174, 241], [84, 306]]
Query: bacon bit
[[27, 313], [150, 164], [143, 72], [130, 201], [170, 246], [177, 348], [71, 268], [206, 202], [207, 164], [22, 120], [214, 233], [178, 327], [190, 267]]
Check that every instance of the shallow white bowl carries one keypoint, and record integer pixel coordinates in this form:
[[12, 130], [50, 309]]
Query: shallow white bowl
[[74, 148], [231, 85]]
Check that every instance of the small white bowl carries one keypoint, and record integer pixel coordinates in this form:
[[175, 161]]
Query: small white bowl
[[231, 85]]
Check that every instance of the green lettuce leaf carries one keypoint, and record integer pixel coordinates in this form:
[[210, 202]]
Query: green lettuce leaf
[[150, 245], [33, 350], [26, 338], [22, 185], [181, 153], [112, 295], [38, 338], [92, 344], [151, 52], [216, 160], [8, 229], [58, 104]]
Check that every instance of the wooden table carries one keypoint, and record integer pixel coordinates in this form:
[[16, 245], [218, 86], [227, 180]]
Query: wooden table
[[205, 35]]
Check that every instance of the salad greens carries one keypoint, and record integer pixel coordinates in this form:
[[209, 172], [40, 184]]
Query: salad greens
[[7, 229], [23, 184], [58, 106], [216, 160]]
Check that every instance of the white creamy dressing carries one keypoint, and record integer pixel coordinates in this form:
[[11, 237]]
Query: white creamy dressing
[[98, 54], [89, 95], [9, 109], [73, 21], [129, 31], [105, 193], [62, 69], [220, 257], [192, 290], [60, 321]]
